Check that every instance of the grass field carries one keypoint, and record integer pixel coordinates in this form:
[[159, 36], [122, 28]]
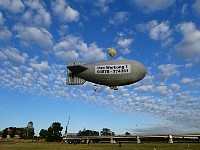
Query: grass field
[[59, 146]]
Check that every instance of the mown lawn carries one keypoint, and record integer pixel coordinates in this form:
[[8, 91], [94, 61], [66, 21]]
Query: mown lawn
[[59, 146]]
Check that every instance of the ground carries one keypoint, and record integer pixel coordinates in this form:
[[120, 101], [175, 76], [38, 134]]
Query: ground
[[124, 146]]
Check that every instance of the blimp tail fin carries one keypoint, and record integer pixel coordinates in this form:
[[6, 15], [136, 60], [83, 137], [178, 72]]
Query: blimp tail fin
[[72, 69]]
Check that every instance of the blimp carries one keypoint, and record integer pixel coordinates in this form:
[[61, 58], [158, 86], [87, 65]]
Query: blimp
[[112, 73]]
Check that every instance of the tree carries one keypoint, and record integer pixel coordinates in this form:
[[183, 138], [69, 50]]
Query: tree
[[5, 133], [43, 134], [107, 132], [54, 132], [88, 133], [127, 134]]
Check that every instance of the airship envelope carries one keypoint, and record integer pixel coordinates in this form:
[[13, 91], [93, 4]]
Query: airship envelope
[[112, 73]]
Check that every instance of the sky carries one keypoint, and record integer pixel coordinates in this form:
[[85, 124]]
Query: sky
[[38, 38]]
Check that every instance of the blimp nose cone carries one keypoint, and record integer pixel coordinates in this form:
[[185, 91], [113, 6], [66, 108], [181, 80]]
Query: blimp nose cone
[[141, 72]]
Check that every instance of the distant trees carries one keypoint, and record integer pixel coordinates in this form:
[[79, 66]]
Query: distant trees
[[127, 134], [23, 133], [43, 134], [107, 132], [53, 133], [5, 133], [88, 133]]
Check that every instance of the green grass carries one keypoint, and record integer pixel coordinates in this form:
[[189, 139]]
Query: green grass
[[59, 146]]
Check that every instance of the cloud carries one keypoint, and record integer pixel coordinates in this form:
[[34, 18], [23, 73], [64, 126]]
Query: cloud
[[36, 15], [196, 6], [64, 11], [1, 19], [40, 67], [101, 5], [149, 79], [161, 90], [124, 42], [156, 5], [125, 51], [119, 18], [147, 26], [144, 88], [187, 81], [184, 96], [13, 54], [73, 47], [157, 129], [160, 31], [174, 87], [188, 65], [33, 35], [67, 55], [184, 9], [190, 43], [167, 70], [3, 57], [14, 6], [157, 31], [5, 34]]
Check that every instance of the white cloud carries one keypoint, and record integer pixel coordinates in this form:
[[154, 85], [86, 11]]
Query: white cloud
[[160, 32], [64, 11], [93, 52], [184, 9], [149, 79], [144, 88], [189, 46], [14, 6], [147, 26], [161, 90], [153, 6], [5, 34], [167, 42], [188, 65], [36, 4], [196, 6], [125, 51], [187, 81], [119, 18], [1, 19], [67, 55], [101, 5], [157, 31], [13, 54], [185, 96], [3, 57], [36, 15], [174, 87], [167, 70], [40, 67], [124, 43], [73, 47], [33, 35]]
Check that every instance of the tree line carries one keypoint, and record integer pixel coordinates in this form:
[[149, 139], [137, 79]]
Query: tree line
[[24, 133], [53, 133]]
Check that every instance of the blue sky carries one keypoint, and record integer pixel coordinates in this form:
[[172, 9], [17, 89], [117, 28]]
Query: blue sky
[[38, 39]]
